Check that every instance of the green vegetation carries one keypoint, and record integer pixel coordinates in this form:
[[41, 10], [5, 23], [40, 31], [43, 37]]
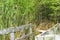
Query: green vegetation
[[15, 12], [19, 12]]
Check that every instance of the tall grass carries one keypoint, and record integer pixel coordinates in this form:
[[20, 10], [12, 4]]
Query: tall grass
[[15, 13]]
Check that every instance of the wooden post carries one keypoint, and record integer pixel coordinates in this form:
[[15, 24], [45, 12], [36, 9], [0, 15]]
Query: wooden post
[[12, 36], [31, 36], [23, 33]]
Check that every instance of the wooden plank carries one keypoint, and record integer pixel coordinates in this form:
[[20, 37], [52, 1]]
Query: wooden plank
[[31, 36], [13, 29]]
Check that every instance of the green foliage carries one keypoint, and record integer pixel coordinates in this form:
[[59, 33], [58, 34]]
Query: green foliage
[[15, 12], [49, 9], [18, 12]]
